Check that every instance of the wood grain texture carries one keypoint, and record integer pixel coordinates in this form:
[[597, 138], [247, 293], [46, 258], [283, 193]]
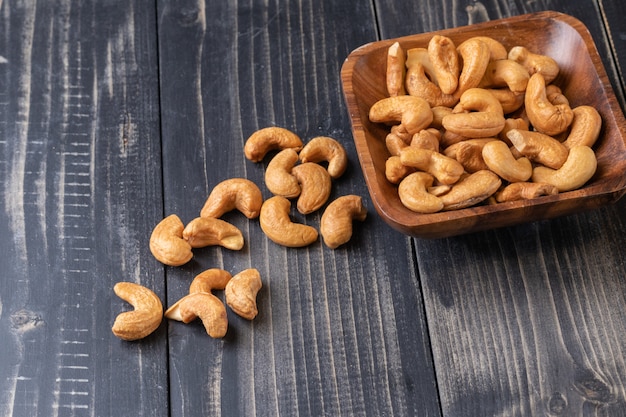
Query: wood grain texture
[[78, 143], [526, 320], [338, 332]]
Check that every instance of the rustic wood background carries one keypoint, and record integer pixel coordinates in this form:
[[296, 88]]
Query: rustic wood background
[[114, 114]]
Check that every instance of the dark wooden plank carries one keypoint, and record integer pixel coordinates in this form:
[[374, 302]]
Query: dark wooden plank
[[526, 320], [338, 332], [79, 167], [613, 12]]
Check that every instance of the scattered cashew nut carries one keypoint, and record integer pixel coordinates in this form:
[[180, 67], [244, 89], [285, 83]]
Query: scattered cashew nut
[[324, 148], [270, 138], [241, 292], [208, 231], [278, 177], [204, 305], [316, 186], [336, 221], [234, 193], [277, 225], [167, 243], [146, 316]]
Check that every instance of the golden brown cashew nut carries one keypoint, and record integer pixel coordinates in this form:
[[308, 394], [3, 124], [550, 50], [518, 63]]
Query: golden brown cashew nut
[[444, 57], [585, 128], [234, 193], [580, 166], [167, 243], [146, 315], [395, 171], [412, 112], [474, 54], [270, 138], [535, 63], [544, 116], [505, 73], [538, 147], [446, 170], [497, 51], [336, 222], [485, 119], [316, 186], [208, 231], [209, 280], [324, 148], [277, 225], [204, 305], [419, 85], [414, 195], [524, 191], [394, 143], [509, 100], [396, 69], [278, 176], [500, 160], [469, 153], [471, 190], [241, 292], [427, 139], [420, 56], [509, 124]]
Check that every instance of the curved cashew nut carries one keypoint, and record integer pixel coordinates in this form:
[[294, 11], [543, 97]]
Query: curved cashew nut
[[509, 124], [538, 147], [277, 225], [585, 127], [209, 280], [497, 51], [234, 193], [426, 139], [395, 171], [439, 112], [509, 100], [534, 63], [208, 231], [241, 292], [336, 222], [444, 57], [544, 116], [486, 121], [469, 153], [414, 195], [316, 186], [471, 190], [324, 148], [419, 85], [394, 143], [412, 112], [146, 316], [167, 243], [270, 138], [500, 160], [204, 305], [420, 56], [580, 166], [474, 54], [446, 170], [524, 191], [278, 176], [555, 95], [396, 69], [505, 73]]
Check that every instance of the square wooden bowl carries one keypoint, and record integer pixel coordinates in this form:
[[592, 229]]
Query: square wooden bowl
[[583, 80]]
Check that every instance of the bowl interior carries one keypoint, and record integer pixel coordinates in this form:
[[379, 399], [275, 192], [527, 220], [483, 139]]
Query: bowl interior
[[582, 79]]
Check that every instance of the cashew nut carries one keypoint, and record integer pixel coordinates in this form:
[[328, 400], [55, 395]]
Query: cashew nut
[[524, 191], [323, 148], [471, 190], [500, 160], [497, 51], [439, 112], [167, 243], [420, 56], [446, 170], [544, 116], [278, 176], [396, 59], [204, 305], [469, 153], [427, 139], [509, 100], [395, 171], [316, 186], [485, 119], [538, 147], [414, 195], [394, 143], [535, 63], [241, 292], [443, 55], [419, 85], [474, 54], [585, 127], [208, 231], [509, 124], [234, 193], [209, 280], [412, 112], [579, 167], [336, 222], [146, 316], [505, 73], [277, 225], [270, 138]]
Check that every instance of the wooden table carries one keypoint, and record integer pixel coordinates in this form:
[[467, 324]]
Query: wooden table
[[114, 114]]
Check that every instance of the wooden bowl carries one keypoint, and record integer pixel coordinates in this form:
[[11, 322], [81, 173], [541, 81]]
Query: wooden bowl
[[583, 80]]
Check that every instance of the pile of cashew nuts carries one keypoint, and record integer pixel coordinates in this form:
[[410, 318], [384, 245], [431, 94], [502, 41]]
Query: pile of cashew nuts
[[477, 123], [296, 171]]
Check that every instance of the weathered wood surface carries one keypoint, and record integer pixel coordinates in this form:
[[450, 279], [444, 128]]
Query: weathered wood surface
[[114, 114]]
